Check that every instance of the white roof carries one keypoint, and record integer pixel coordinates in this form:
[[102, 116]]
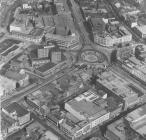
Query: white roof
[[142, 29]]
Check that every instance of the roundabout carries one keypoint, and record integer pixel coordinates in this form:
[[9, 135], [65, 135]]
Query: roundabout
[[92, 56]]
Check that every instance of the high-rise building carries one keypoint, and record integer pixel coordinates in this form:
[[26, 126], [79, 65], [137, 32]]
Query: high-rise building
[[56, 57], [43, 51]]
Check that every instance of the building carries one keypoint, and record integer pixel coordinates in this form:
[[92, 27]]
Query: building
[[129, 93], [85, 112], [140, 30], [27, 37], [56, 57], [21, 79], [8, 125], [136, 68], [7, 52], [137, 121], [35, 60], [115, 131], [109, 34], [18, 113], [43, 51], [57, 62], [68, 42], [7, 85], [21, 26]]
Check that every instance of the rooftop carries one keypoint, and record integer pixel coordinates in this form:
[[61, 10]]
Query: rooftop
[[88, 104], [108, 28], [7, 44], [142, 28], [123, 88], [5, 53], [16, 107], [138, 120], [137, 115], [14, 75], [117, 128]]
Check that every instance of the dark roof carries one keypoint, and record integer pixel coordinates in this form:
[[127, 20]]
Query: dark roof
[[46, 67], [33, 54], [16, 107], [10, 50]]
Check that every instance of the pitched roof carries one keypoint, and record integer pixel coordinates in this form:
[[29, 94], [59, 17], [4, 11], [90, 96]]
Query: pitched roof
[[16, 107]]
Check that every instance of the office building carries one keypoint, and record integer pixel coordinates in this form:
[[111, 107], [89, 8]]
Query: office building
[[85, 112], [56, 57], [35, 61], [43, 51]]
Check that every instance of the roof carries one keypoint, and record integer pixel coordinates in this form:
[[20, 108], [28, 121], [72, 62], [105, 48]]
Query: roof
[[86, 104], [46, 67], [7, 44], [14, 75], [137, 114], [142, 28], [33, 54], [140, 127], [5, 53], [117, 128], [48, 20], [16, 107]]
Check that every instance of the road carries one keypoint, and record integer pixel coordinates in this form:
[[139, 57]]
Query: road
[[19, 133], [46, 81], [123, 114], [84, 35]]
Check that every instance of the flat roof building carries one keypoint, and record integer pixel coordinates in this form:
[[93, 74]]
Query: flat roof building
[[85, 112], [17, 112], [137, 120], [123, 89], [109, 33], [115, 131]]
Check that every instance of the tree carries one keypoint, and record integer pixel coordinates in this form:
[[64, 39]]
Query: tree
[[17, 85], [93, 79], [114, 56]]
